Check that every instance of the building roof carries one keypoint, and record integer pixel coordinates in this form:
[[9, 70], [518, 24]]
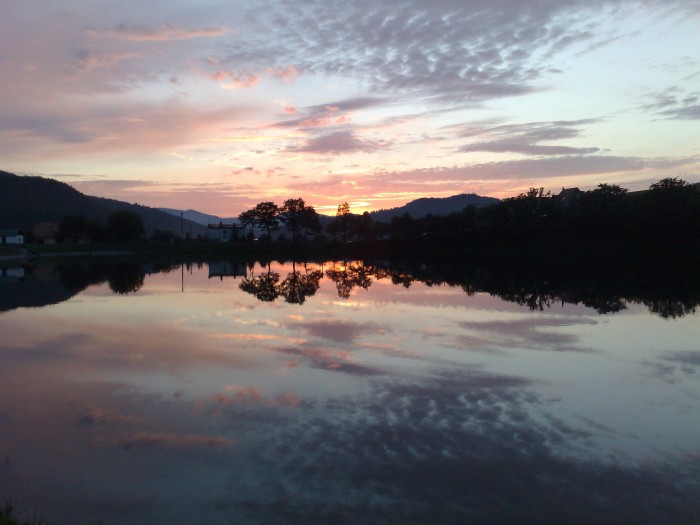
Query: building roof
[[45, 230], [567, 193], [222, 226]]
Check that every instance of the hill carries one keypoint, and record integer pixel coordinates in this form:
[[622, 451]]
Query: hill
[[434, 205], [199, 217], [417, 209], [28, 200]]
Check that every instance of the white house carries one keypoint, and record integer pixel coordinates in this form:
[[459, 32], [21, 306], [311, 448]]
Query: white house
[[222, 232], [12, 273], [9, 236]]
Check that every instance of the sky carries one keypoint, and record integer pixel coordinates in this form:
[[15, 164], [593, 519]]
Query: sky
[[217, 105]]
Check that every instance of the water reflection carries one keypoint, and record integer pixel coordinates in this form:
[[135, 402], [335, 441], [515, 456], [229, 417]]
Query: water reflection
[[294, 288], [346, 392], [668, 295]]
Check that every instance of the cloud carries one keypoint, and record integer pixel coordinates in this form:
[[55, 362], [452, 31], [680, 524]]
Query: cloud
[[165, 33], [672, 104], [148, 440], [340, 142], [340, 331], [331, 114], [334, 361], [252, 397], [671, 365], [526, 138], [479, 439], [526, 333]]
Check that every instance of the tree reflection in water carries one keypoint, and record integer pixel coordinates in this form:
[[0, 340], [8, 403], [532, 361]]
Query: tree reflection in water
[[667, 295], [347, 276], [265, 287], [295, 288]]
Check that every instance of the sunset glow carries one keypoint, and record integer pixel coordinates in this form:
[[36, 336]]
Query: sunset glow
[[216, 106]]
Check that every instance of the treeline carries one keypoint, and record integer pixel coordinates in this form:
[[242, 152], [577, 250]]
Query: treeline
[[669, 210], [121, 226]]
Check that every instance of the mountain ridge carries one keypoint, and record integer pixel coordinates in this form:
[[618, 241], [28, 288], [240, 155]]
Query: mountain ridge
[[417, 208], [27, 200], [423, 206]]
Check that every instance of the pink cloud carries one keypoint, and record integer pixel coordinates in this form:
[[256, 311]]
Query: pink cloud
[[144, 33], [236, 395], [340, 142], [287, 75]]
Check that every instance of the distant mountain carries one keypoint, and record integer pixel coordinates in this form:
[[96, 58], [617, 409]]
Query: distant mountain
[[417, 208], [26, 201], [434, 205], [199, 217]]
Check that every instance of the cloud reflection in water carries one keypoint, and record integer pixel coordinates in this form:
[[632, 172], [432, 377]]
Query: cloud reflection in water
[[215, 405]]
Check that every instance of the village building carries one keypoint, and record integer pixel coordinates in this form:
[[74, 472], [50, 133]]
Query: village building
[[11, 236], [223, 269], [568, 195], [45, 232], [12, 274], [222, 232]]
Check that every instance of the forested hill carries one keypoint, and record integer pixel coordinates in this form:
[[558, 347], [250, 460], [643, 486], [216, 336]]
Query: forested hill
[[419, 208], [27, 200]]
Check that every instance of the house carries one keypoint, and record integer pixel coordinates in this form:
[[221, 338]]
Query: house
[[45, 232], [222, 232], [568, 195], [12, 274], [11, 236], [223, 269]]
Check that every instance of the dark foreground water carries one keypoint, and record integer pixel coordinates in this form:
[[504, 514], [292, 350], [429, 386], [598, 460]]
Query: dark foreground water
[[344, 393]]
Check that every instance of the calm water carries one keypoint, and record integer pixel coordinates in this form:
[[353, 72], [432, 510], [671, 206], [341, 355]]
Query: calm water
[[343, 393]]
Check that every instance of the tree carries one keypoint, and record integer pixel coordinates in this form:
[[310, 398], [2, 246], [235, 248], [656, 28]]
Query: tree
[[267, 217], [672, 209], [291, 215], [609, 190], [669, 183], [247, 218], [310, 222], [73, 227], [364, 227], [125, 226], [341, 223]]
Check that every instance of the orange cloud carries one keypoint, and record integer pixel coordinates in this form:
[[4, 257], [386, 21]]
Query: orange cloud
[[238, 395]]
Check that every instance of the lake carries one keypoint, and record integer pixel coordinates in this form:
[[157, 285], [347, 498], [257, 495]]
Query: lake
[[346, 392]]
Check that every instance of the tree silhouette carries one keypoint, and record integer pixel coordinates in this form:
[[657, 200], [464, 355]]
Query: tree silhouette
[[247, 218], [296, 215], [350, 276], [73, 227], [125, 226], [342, 222], [125, 278], [297, 286], [264, 287], [267, 217]]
